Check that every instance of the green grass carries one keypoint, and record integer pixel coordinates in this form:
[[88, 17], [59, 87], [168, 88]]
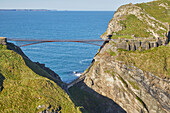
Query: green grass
[[24, 90], [143, 104], [107, 71], [155, 60], [158, 12], [32, 65], [121, 36], [2, 47], [121, 50], [123, 81], [138, 29], [110, 72], [133, 26], [112, 53], [133, 84], [140, 100]]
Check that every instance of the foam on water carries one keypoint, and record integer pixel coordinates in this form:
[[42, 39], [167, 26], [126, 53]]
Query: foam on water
[[77, 73], [85, 61]]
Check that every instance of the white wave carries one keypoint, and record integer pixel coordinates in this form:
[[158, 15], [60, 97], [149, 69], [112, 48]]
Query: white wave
[[84, 61], [77, 73]]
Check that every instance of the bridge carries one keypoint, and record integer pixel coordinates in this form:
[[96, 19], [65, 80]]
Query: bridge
[[3, 40], [32, 42]]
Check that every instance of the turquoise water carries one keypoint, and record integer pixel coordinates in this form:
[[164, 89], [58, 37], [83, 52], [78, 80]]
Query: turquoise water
[[62, 57]]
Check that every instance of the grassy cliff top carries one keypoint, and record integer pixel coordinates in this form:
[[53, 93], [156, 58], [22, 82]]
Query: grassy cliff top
[[155, 60], [23, 90], [159, 9], [149, 19]]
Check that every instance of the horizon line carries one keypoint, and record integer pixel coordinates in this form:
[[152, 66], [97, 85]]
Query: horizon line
[[32, 9]]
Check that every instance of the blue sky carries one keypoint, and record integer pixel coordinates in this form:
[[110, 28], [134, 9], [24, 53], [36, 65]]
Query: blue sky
[[94, 5]]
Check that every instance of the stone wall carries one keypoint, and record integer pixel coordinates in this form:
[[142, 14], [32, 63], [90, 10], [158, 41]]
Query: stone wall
[[3, 40], [139, 44]]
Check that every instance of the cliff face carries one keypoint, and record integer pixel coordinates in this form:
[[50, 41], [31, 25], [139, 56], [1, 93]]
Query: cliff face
[[138, 81], [134, 89]]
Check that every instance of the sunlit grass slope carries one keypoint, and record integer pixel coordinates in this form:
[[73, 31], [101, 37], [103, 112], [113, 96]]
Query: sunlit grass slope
[[154, 18], [158, 9], [25, 91], [155, 60]]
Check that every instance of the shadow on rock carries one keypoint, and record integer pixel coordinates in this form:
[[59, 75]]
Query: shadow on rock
[[90, 101], [2, 78]]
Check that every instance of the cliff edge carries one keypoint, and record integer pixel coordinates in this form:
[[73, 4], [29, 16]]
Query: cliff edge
[[129, 69], [28, 87]]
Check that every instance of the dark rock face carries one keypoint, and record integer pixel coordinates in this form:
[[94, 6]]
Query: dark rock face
[[47, 110], [92, 101]]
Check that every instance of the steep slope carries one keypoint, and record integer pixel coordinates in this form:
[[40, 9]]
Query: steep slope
[[25, 89], [138, 80]]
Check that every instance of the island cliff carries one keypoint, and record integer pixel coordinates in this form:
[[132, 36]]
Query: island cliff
[[133, 68]]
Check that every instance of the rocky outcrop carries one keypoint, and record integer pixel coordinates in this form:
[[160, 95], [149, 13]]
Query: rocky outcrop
[[133, 89], [3, 40]]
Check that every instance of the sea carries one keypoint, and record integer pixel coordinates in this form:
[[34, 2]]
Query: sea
[[67, 59]]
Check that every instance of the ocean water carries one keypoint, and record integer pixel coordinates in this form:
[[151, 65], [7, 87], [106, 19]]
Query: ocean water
[[64, 58]]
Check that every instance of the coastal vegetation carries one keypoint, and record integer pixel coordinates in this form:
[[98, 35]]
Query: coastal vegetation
[[154, 60], [140, 20], [139, 28], [23, 90], [159, 9], [118, 36], [111, 53]]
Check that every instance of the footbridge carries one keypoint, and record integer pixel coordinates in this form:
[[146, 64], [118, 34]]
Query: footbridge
[[32, 41], [3, 40]]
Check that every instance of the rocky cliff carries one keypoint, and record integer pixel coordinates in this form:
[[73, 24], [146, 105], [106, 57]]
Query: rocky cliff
[[138, 81], [128, 84]]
